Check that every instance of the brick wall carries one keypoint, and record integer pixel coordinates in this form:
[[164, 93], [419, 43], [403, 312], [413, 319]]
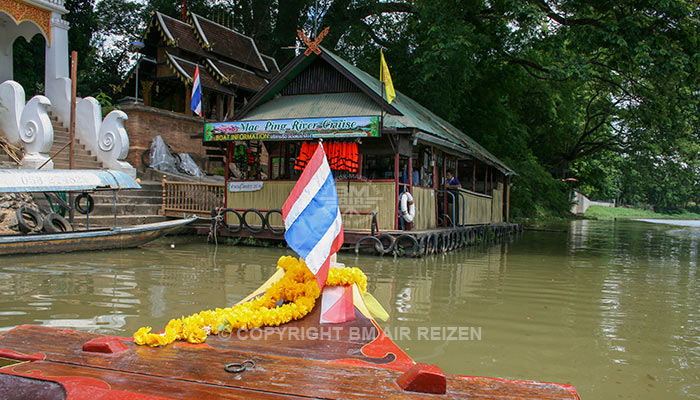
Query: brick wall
[[145, 122]]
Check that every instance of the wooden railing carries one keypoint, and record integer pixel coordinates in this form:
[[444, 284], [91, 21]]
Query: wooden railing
[[191, 197]]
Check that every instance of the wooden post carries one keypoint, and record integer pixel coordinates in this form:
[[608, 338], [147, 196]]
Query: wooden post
[[163, 183], [444, 185], [507, 191], [409, 225], [71, 126], [486, 177], [188, 100], [474, 175], [229, 157], [396, 190], [435, 186], [73, 90], [219, 107]]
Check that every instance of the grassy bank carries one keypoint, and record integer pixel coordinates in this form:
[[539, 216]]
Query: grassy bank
[[599, 212]]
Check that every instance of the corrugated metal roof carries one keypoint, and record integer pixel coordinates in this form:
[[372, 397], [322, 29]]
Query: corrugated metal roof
[[403, 112], [63, 180], [315, 106]]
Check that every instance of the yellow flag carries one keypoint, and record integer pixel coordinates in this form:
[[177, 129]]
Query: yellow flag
[[385, 77]]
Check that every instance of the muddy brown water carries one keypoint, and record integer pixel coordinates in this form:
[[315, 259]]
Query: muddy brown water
[[610, 307]]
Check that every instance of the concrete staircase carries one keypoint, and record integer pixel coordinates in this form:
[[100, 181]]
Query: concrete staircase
[[134, 207], [82, 156]]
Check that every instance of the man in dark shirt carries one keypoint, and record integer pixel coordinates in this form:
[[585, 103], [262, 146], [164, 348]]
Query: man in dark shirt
[[452, 182]]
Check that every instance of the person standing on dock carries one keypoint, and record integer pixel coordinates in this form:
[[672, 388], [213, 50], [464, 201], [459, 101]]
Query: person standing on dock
[[453, 184]]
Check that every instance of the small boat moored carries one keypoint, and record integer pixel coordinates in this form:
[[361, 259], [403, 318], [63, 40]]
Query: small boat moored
[[52, 182]]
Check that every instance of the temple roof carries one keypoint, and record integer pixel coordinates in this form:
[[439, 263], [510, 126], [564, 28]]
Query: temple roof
[[184, 69], [228, 59], [227, 43]]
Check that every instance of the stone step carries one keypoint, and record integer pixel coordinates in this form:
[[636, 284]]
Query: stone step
[[60, 164], [125, 209], [128, 198], [76, 156]]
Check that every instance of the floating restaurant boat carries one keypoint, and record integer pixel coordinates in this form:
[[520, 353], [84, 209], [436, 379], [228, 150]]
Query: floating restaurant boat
[[82, 182], [305, 358]]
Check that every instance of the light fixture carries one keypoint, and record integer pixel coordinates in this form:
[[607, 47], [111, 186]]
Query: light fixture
[[135, 46]]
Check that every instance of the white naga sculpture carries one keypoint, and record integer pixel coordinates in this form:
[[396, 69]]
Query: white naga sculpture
[[106, 139], [26, 125]]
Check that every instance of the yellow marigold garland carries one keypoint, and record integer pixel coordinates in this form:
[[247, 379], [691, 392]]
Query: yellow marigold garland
[[297, 289]]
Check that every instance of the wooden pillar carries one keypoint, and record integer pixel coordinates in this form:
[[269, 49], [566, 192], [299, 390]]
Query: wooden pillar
[[410, 174], [219, 107], [188, 98], [435, 186], [147, 85], [396, 190], [474, 175], [486, 178], [443, 177], [229, 157], [507, 188], [231, 109], [409, 225]]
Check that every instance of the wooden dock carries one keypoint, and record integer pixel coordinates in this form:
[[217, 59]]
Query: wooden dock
[[410, 243]]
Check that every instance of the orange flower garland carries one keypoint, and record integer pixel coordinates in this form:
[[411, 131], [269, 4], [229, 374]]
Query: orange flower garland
[[297, 290]]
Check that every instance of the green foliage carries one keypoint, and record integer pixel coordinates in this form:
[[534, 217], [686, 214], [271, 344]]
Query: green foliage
[[28, 64], [600, 212], [605, 92]]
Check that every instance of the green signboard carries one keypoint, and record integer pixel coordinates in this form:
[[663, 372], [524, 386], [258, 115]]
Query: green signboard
[[292, 129]]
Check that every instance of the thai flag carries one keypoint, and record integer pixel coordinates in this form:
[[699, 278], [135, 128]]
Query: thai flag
[[196, 100], [314, 227]]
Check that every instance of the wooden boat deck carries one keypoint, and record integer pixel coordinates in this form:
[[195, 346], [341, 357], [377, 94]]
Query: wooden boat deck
[[328, 368]]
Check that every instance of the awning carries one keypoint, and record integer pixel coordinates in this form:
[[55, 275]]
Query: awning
[[63, 180]]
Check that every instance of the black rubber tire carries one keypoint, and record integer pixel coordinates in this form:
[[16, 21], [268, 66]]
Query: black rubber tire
[[267, 222], [392, 241], [415, 248], [146, 158], [445, 242], [89, 203], [378, 247], [422, 244], [54, 223], [250, 228], [29, 220], [232, 228], [431, 243], [451, 240], [458, 239]]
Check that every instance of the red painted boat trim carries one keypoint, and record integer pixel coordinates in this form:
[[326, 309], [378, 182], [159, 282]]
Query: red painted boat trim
[[14, 355]]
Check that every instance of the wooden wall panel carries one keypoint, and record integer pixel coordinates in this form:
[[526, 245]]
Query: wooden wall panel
[[497, 204], [365, 197], [360, 197], [425, 208], [478, 209]]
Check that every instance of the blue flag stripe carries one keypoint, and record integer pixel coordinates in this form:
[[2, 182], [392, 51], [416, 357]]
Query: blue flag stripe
[[314, 220]]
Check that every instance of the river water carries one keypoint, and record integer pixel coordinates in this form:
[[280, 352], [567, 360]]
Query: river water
[[610, 307]]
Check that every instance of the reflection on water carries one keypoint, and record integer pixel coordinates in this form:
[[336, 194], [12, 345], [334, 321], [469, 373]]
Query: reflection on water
[[611, 307]]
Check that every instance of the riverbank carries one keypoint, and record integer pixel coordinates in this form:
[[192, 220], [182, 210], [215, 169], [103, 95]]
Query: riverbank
[[598, 212]]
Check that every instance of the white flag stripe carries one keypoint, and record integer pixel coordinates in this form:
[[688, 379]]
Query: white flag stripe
[[318, 255], [308, 194]]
